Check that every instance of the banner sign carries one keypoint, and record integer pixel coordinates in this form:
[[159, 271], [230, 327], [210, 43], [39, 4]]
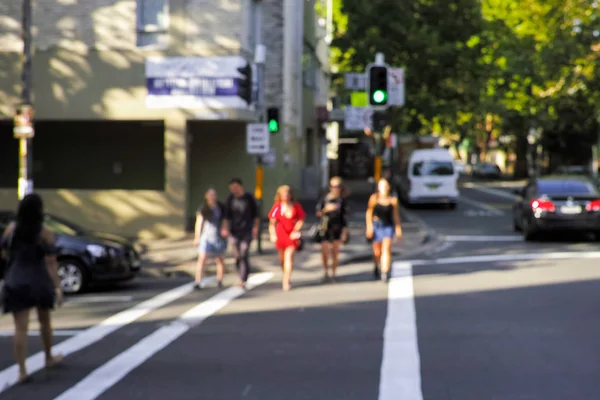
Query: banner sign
[[193, 82]]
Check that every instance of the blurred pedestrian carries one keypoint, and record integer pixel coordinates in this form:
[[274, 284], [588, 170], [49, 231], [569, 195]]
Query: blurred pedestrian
[[333, 210], [241, 225], [208, 239], [383, 220], [286, 220], [31, 279]]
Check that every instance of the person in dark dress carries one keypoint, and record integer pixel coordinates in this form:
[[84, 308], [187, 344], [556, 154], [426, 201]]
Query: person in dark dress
[[240, 225], [333, 210], [31, 279]]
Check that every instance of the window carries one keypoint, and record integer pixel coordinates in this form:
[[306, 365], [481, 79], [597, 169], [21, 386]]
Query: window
[[565, 188], [99, 155], [309, 72], [152, 23], [433, 168]]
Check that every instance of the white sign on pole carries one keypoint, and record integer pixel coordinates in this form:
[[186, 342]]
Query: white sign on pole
[[258, 139], [355, 81], [270, 158], [396, 86], [358, 118]]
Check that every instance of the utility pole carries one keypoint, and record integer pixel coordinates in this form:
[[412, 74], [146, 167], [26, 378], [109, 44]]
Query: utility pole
[[23, 121], [259, 60]]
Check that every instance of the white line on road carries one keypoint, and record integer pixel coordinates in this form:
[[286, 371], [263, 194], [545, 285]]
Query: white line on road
[[107, 375], [508, 257], [468, 238], [60, 332], [36, 362], [496, 192], [99, 299], [401, 366], [481, 205]]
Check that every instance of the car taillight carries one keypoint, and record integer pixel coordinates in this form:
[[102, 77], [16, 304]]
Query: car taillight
[[543, 205], [593, 205]]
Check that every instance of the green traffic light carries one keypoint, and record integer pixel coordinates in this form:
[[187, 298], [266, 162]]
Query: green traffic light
[[379, 96], [273, 126]]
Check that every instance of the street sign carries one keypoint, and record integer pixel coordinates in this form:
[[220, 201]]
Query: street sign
[[23, 122], [355, 81], [396, 86], [359, 99], [392, 141], [258, 139], [270, 159], [358, 118]]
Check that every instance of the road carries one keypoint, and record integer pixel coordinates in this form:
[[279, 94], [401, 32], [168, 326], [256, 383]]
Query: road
[[482, 315]]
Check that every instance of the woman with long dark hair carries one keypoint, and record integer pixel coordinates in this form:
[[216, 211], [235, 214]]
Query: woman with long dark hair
[[333, 211], [209, 219], [31, 279], [383, 223]]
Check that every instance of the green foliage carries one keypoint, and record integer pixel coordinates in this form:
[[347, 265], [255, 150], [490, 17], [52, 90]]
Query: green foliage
[[520, 63]]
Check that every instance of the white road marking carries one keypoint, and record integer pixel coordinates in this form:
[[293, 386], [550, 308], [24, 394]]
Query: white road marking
[[60, 332], [401, 366], [98, 299], [107, 375], [442, 247], [481, 205], [479, 213], [479, 238], [508, 257], [36, 362], [496, 192]]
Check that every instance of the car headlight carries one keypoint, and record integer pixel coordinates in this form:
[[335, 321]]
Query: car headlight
[[96, 250]]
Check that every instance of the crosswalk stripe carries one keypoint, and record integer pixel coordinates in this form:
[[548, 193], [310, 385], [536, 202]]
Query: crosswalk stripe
[[400, 376], [10, 375], [107, 375]]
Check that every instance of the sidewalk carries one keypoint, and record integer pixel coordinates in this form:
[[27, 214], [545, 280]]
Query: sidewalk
[[177, 257]]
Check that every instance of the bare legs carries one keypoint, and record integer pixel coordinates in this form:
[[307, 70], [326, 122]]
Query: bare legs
[[20, 341], [21, 320], [376, 258], [200, 269], [326, 249], [386, 256], [287, 256]]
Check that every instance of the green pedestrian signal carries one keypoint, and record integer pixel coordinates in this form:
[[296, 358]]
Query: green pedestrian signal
[[273, 119], [273, 126], [379, 96]]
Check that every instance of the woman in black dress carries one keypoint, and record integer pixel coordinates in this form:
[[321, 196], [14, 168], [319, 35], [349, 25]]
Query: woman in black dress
[[333, 210], [31, 279]]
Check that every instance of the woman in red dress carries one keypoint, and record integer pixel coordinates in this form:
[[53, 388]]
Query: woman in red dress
[[286, 220]]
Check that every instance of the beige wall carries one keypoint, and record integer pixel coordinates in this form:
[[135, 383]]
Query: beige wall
[[86, 66]]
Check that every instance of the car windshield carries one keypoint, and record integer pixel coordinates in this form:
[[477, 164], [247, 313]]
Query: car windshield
[[572, 187], [433, 168], [59, 227]]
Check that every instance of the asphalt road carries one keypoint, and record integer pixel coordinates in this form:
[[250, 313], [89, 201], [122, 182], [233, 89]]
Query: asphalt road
[[481, 315]]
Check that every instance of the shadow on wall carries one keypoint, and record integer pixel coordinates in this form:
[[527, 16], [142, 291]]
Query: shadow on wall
[[73, 80]]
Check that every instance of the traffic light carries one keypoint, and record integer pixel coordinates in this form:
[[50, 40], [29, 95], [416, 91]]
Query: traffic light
[[245, 83], [379, 122], [378, 85], [273, 119]]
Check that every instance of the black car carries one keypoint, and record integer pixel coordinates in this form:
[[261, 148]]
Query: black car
[[486, 171], [85, 257], [555, 203]]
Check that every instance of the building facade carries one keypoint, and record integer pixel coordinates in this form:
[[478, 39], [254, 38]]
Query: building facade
[[114, 149]]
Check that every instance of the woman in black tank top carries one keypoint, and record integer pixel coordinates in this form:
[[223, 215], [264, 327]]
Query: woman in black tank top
[[383, 221]]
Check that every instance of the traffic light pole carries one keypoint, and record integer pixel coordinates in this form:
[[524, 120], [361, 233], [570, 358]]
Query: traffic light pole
[[259, 60], [25, 185]]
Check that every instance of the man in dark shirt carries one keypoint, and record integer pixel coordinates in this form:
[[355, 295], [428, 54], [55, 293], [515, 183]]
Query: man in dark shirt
[[240, 225]]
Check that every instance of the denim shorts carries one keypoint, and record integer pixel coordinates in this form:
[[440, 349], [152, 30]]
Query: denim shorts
[[381, 231]]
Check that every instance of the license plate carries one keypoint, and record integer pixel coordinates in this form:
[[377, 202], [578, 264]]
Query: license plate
[[433, 185], [570, 209]]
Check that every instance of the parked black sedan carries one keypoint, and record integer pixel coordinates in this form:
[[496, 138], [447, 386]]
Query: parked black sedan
[[85, 257], [557, 203]]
